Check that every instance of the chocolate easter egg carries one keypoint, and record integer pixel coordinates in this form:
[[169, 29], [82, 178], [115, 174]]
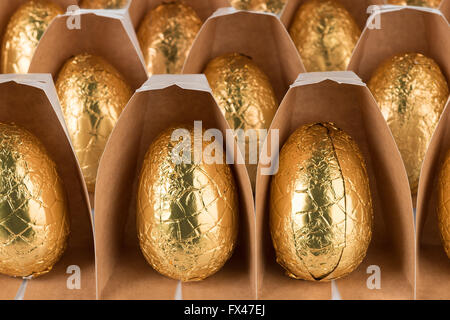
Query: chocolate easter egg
[[103, 4], [320, 204], [92, 94], [187, 212], [411, 92], [23, 32], [166, 35], [34, 221], [325, 35], [246, 98], [274, 6]]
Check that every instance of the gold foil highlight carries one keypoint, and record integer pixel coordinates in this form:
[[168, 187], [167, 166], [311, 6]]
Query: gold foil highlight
[[34, 221], [411, 92], [103, 4], [23, 32], [320, 204], [245, 96], [417, 3], [325, 35], [166, 35], [187, 213], [443, 210], [274, 6], [92, 94]]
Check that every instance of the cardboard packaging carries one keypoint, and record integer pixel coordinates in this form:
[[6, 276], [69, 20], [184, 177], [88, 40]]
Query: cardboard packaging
[[341, 98], [445, 9], [433, 265], [357, 8], [260, 36], [139, 8], [7, 9], [103, 33], [31, 102], [431, 37], [122, 272]]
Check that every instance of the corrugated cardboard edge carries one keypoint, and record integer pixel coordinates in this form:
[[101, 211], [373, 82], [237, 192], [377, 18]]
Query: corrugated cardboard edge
[[316, 78]]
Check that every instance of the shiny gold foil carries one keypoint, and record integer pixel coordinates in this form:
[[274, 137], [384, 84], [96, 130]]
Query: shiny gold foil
[[34, 221], [23, 32], [103, 4], [443, 211], [320, 204], [418, 3], [274, 6], [92, 94], [325, 35], [245, 96], [187, 213], [166, 35], [411, 92]]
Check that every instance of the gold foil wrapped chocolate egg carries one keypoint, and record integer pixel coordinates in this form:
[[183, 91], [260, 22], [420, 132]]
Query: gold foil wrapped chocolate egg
[[245, 96], [92, 94], [23, 32], [274, 6], [103, 4], [166, 35], [411, 92], [443, 211], [187, 212], [34, 222], [418, 3], [320, 204], [325, 35]]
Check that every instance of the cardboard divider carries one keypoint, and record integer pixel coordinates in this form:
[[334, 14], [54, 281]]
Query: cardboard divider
[[30, 101], [341, 98], [261, 36], [433, 265], [139, 8], [8, 8], [445, 9], [103, 35], [122, 271], [431, 37], [357, 8]]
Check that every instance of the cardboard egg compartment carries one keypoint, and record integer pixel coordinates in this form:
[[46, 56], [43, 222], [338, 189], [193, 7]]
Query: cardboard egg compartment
[[122, 271], [30, 101], [108, 36], [138, 9], [260, 36], [433, 265], [341, 98], [431, 37], [357, 8]]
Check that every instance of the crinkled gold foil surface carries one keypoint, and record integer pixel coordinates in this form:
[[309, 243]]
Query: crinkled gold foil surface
[[418, 3], [34, 221], [325, 35], [166, 35], [22, 35], [320, 204], [103, 4], [444, 204], [411, 92], [245, 96], [92, 94], [187, 214], [274, 6]]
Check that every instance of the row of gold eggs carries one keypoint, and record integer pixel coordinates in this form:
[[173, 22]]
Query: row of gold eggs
[[167, 31], [187, 214], [113, 85]]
